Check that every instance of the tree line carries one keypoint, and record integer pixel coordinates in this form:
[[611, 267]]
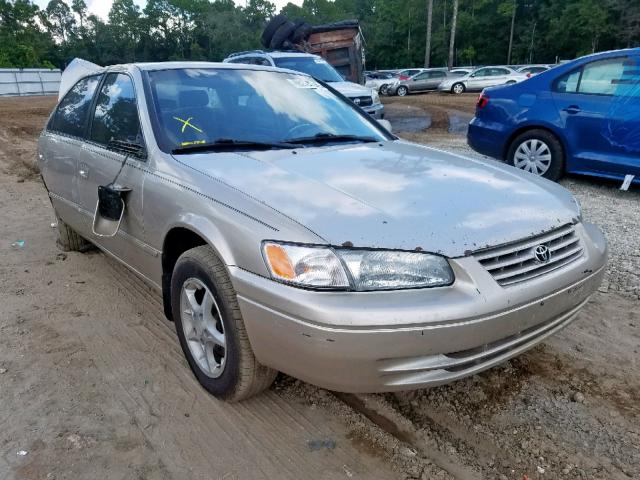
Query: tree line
[[398, 33]]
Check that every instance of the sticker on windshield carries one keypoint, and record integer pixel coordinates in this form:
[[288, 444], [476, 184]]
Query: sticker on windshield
[[194, 142], [303, 82]]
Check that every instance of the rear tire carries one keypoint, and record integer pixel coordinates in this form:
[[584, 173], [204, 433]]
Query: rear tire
[[539, 152], [241, 375], [69, 240], [458, 88], [282, 34], [384, 89]]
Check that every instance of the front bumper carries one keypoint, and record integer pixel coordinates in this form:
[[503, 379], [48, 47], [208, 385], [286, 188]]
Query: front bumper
[[376, 111], [399, 340]]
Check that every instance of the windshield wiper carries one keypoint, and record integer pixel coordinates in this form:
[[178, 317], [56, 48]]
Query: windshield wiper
[[231, 144], [331, 137]]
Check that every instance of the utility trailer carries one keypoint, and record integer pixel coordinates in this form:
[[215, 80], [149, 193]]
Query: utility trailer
[[342, 45]]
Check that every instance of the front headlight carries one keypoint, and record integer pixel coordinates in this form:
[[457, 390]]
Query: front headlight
[[375, 97], [354, 269]]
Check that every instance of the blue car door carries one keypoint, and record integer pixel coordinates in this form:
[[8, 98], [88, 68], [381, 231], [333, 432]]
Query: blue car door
[[599, 113]]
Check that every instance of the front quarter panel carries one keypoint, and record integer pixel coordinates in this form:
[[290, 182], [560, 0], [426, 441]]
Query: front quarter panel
[[231, 222]]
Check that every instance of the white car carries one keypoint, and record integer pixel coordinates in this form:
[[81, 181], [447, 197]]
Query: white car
[[480, 79], [316, 66]]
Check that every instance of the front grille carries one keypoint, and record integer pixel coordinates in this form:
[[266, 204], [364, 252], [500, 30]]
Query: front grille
[[516, 262], [362, 101]]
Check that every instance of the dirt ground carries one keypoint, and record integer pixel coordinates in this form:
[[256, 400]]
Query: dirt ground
[[93, 383]]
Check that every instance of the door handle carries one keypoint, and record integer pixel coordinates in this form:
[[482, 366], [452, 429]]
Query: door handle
[[572, 109]]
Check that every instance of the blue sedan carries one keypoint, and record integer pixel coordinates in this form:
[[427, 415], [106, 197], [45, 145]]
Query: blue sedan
[[580, 117]]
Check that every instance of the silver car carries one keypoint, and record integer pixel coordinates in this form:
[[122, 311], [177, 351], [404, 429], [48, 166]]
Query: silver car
[[422, 81], [480, 79], [287, 230]]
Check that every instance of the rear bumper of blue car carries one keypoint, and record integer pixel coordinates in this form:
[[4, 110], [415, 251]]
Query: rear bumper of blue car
[[487, 138]]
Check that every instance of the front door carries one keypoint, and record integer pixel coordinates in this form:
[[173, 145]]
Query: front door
[[478, 79], [599, 107], [114, 153]]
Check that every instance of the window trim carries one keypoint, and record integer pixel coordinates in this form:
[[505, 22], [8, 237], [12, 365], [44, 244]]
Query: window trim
[[94, 104], [49, 129]]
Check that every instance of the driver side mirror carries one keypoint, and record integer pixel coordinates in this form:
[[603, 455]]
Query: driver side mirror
[[386, 124]]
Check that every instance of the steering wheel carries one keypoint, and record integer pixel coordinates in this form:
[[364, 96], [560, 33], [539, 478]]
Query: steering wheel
[[298, 130]]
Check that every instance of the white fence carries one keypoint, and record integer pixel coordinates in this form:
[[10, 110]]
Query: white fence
[[29, 81]]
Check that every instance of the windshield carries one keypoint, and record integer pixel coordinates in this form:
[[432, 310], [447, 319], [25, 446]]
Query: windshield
[[196, 107], [314, 66]]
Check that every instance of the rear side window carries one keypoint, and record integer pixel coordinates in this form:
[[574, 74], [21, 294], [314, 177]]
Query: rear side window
[[71, 115], [116, 114], [601, 78], [437, 74]]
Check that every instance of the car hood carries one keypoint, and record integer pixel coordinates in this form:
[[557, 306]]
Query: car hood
[[350, 89], [396, 195]]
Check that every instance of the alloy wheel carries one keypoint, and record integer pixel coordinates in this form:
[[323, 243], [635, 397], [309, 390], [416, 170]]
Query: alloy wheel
[[402, 91], [533, 155], [203, 327], [458, 88]]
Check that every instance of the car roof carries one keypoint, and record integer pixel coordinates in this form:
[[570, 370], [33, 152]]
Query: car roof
[[273, 54], [155, 66]]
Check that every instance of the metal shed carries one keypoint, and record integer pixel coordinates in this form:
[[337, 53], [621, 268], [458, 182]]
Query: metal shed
[[29, 81]]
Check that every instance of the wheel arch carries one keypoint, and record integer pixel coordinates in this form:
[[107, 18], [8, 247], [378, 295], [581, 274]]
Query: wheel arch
[[184, 236]]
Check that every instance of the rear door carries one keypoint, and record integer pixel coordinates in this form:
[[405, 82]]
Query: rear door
[[115, 124], [435, 79], [599, 107], [419, 83], [61, 145]]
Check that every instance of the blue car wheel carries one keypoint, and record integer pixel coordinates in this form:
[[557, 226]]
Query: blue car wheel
[[538, 152]]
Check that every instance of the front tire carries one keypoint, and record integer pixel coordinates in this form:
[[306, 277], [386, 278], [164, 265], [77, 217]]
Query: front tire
[[402, 91], [211, 329], [458, 88], [538, 152]]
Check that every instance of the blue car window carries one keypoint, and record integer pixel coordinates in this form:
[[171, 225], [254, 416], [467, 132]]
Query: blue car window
[[599, 78], [568, 83]]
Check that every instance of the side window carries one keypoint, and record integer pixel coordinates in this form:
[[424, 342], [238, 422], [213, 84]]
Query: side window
[[437, 75], [72, 112], [602, 77], [116, 114], [422, 76], [481, 73], [568, 83]]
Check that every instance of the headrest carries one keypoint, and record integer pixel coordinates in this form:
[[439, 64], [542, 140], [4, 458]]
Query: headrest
[[167, 104], [193, 98]]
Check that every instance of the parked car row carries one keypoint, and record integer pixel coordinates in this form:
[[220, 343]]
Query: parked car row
[[456, 81]]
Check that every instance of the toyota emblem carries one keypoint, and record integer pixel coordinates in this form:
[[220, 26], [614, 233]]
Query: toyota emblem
[[542, 253]]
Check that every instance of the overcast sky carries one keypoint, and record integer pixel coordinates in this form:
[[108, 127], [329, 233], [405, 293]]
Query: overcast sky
[[102, 7]]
